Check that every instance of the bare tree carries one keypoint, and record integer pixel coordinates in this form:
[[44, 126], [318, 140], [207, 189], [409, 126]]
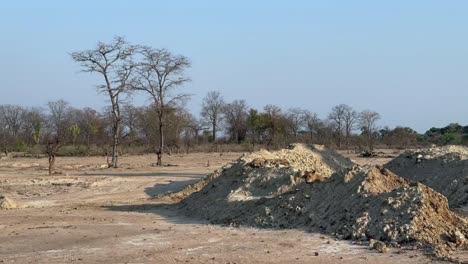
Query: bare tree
[[51, 149], [90, 123], [58, 118], [176, 122], [11, 121], [368, 122], [192, 133], [160, 74], [350, 120], [337, 117], [13, 116], [130, 119], [114, 62], [296, 118], [276, 125], [211, 112], [235, 114], [312, 123]]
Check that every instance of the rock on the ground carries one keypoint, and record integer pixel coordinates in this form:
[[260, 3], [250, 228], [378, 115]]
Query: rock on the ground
[[378, 245], [7, 203]]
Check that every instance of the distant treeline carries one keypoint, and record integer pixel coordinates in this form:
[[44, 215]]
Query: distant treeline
[[453, 134], [88, 131]]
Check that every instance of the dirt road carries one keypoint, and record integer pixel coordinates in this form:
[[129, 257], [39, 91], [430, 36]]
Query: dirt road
[[88, 214]]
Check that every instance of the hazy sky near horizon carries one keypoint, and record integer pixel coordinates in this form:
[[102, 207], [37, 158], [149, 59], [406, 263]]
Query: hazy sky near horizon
[[407, 60]]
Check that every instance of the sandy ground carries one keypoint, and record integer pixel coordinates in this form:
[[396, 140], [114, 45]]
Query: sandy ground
[[88, 214]]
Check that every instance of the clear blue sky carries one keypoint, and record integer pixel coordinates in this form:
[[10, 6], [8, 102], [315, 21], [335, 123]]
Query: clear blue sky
[[408, 60]]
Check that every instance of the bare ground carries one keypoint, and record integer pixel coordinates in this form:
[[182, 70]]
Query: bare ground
[[88, 214]]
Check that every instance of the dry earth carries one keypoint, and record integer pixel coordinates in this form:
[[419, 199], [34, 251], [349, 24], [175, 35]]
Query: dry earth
[[88, 214]]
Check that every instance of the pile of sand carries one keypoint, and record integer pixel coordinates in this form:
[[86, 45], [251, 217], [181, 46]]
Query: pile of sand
[[445, 169], [360, 203], [272, 173], [7, 203], [305, 158]]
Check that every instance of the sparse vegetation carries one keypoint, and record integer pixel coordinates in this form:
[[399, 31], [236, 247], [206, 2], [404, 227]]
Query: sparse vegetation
[[88, 131]]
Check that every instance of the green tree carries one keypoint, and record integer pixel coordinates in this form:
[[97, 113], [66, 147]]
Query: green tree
[[451, 139], [37, 132], [75, 132]]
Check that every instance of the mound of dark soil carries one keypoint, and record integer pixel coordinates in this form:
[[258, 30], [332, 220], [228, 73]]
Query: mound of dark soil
[[444, 169]]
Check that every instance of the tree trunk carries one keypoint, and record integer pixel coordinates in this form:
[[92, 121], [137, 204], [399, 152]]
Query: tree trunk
[[51, 163], [371, 144], [116, 132], [116, 126], [214, 132], [339, 140], [51, 149], [159, 152], [347, 139], [115, 143]]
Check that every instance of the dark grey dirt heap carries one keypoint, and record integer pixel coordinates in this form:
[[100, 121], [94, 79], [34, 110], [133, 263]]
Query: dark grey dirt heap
[[444, 169]]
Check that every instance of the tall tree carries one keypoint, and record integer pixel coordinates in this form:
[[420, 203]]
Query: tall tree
[[129, 119], [113, 61], [255, 126], [275, 124], [13, 116], [312, 123], [11, 121], [191, 133], [337, 116], [296, 119], [160, 74], [59, 117], [235, 114], [90, 123], [350, 120], [211, 112], [368, 122]]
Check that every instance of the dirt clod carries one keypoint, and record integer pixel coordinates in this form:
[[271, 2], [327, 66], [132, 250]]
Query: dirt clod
[[261, 162], [311, 177], [378, 245], [457, 237]]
